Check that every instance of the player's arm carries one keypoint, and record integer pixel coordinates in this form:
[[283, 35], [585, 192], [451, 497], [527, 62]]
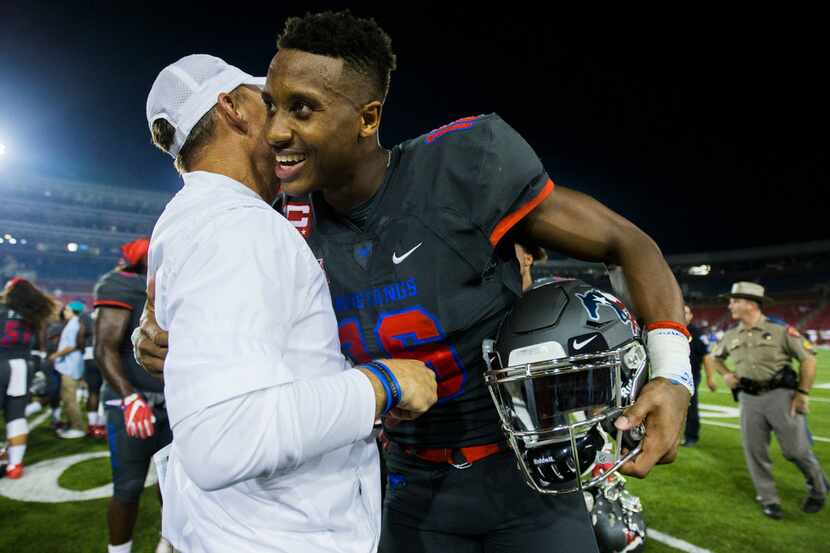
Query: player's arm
[[575, 224], [110, 330], [581, 227]]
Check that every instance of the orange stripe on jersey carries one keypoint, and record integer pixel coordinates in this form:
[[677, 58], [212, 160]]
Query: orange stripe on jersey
[[113, 303], [511, 219]]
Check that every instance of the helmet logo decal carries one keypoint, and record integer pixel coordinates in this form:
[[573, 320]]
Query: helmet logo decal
[[593, 299]]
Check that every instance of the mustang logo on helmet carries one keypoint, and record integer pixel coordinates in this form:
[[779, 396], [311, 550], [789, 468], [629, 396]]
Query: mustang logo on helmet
[[593, 299]]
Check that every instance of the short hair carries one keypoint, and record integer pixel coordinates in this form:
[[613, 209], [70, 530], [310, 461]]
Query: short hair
[[200, 135], [359, 42]]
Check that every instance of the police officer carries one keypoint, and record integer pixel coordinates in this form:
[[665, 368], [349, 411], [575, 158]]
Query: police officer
[[772, 396]]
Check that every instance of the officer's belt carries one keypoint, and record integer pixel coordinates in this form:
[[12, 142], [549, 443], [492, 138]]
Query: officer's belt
[[784, 378]]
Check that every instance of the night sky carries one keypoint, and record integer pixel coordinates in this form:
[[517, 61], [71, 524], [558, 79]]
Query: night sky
[[706, 130]]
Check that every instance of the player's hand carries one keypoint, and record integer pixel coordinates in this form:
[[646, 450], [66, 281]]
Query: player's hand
[[731, 380], [138, 417], [662, 407], [419, 390], [799, 404], [150, 343], [710, 382]]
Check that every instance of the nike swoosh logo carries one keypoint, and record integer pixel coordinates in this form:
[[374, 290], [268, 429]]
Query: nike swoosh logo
[[396, 259], [579, 345]]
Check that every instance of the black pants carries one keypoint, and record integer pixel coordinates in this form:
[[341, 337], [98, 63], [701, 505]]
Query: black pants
[[130, 457], [487, 508], [92, 376], [692, 433], [13, 406]]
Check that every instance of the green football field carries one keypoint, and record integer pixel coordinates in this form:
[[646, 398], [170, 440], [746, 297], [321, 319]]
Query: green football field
[[703, 502]]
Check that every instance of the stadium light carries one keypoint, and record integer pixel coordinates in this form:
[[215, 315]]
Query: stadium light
[[700, 270], [1, 240], [7, 236], [2, 149], [12, 241], [72, 247]]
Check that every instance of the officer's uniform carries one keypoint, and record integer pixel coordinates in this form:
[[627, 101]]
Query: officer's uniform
[[759, 353]]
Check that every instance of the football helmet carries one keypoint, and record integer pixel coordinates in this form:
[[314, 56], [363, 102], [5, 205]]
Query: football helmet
[[566, 361], [616, 514]]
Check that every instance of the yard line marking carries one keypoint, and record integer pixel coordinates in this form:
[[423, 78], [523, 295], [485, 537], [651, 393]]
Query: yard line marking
[[38, 420], [675, 543], [736, 427], [711, 411]]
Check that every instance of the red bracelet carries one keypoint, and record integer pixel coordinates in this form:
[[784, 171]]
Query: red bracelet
[[669, 324]]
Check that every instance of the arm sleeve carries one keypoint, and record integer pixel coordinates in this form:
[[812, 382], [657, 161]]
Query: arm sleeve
[[512, 180], [284, 426]]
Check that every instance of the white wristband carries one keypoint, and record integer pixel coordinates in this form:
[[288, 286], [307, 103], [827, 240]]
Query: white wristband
[[668, 354]]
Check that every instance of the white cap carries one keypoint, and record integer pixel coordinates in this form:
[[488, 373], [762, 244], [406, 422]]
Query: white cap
[[186, 90]]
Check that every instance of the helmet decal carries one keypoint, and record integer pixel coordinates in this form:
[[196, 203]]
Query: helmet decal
[[593, 299]]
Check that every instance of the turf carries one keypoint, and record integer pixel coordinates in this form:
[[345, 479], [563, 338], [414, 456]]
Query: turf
[[705, 498]]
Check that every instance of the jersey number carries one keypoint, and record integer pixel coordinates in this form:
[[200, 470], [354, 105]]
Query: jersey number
[[409, 334], [12, 334]]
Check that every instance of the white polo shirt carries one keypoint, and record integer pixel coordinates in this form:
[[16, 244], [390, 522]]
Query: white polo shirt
[[272, 447]]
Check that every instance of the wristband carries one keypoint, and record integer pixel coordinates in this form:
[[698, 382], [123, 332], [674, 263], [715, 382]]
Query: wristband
[[668, 355], [394, 385], [384, 382], [802, 391], [670, 324]]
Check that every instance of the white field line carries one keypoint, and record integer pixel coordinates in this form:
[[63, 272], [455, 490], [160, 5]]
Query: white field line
[[737, 427], [675, 543]]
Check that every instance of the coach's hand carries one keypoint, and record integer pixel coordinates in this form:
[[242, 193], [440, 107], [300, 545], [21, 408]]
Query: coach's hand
[[419, 390], [662, 406], [149, 340]]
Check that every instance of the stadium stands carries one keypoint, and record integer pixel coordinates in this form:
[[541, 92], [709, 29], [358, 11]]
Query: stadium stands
[[796, 276], [64, 234]]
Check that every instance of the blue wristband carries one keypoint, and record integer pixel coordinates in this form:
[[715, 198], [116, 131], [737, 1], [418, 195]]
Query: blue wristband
[[384, 382], [397, 391]]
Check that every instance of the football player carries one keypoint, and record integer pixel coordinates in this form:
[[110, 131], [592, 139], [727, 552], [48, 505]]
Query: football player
[[92, 376], [417, 243], [24, 312], [137, 424]]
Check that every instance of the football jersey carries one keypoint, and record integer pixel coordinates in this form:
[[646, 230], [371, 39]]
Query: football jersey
[[17, 336], [423, 278], [125, 290]]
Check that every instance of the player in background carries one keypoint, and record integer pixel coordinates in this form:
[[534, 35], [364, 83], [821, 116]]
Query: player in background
[[96, 423], [136, 418], [24, 312]]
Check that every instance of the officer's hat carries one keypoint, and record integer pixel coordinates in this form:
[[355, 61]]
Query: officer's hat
[[748, 291]]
